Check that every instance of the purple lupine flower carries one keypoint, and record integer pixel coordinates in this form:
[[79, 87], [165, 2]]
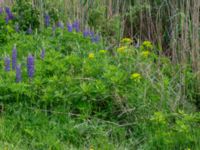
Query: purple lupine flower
[[95, 38], [60, 24], [47, 20], [9, 13], [86, 33], [10, 16], [18, 74], [7, 19], [92, 33], [1, 10], [7, 10], [29, 31], [42, 55], [69, 27], [7, 64], [14, 57], [30, 66], [76, 26]]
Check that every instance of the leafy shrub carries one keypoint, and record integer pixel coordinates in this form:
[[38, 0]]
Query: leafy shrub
[[175, 131], [5, 29], [26, 15]]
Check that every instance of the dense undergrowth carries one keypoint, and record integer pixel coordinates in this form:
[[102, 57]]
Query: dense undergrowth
[[81, 96]]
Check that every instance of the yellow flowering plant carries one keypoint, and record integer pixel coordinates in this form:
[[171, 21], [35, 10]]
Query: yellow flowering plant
[[147, 45], [126, 40], [136, 76], [122, 49], [102, 51], [145, 53], [91, 56]]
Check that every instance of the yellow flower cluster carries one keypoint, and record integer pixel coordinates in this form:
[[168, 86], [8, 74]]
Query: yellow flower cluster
[[126, 40], [91, 148], [121, 49], [147, 45], [91, 56], [145, 53], [136, 76], [102, 51]]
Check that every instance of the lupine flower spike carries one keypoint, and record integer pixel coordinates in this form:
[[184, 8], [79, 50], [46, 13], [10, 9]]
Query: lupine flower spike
[[1, 10], [7, 64], [92, 33], [7, 10], [42, 55], [46, 20], [30, 66], [95, 38], [60, 24], [7, 19], [86, 32], [14, 57], [76, 26], [69, 27], [18, 74], [9, 13]]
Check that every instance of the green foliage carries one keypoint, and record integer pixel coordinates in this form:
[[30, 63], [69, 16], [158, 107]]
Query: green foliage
[[82, 96], [175, 131], [26, 15], [108, 27], [6, 30]]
